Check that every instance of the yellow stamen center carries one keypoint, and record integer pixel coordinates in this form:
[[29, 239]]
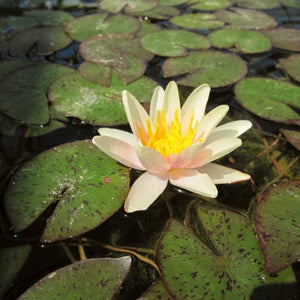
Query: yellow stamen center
[[168, 139]]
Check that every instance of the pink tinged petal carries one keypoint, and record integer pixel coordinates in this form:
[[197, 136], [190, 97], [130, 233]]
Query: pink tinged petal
[[229, 130], [171, 101], [151, 159], [192, 180], [214, 151], [136, 114], [184, 158], [145, 190], [210, 121], [119, 150], [156, 102], [195, 104], [220, 174], [121, 135]]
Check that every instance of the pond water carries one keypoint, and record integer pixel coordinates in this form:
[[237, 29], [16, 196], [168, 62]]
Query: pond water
[[64, 231]]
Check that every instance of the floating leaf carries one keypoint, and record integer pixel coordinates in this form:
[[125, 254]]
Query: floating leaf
[[130, 6], [258, 4], [40, 40], [171, 2], [146, 28], [74, 96], [156, 291], [209, 4], [269, 98], [191, 269], [292, 136], [197, 21], [292, 66], [87, 185], [213, 67], [7, 66], [23, 92], [12, 260], [21, 23], [159, 12], [277, 220], [246, 18], [85, 279], [48, 17], [291, 3], [246, 41], [173, 42], [90, 25], [284, 38]]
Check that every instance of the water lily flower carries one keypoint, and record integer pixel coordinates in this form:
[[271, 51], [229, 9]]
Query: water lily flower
[[173, 143]]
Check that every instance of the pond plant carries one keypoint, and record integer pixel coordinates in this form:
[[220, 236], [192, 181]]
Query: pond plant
[[117, 121]]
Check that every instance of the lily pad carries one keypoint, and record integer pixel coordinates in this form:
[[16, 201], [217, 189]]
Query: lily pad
[[269, 99], [284, 38], [23, 92], [90, 25], [156, 291], [277, 220], [146, 28], [82, 280], [40, 40], [74, 96], [258, 4], [213, 67], [246, 41], [87, 185], [159, 12], [209, 4], [197, 21], [292, 136], [171, 2], [291, 65], [290, 3], [232, 271], [7, 66], [48, 17], [173, 42], [246, 18], [12, 259], [20, 23], [130, 6]]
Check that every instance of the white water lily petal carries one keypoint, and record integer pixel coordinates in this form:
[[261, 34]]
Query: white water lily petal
[[157, 101], [229, 130], [192, 180], [171, 101], [121, 135], [214, 151], [210, 121], [151, 159], [135, 112], [144, 191], [195, 105], [119, 150], [220, 174]]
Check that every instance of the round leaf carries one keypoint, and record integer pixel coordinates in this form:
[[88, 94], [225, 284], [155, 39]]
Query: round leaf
[[173, 42], [246, 41], [209, 4], [292, 136], [213, 67], [277, 220], [292, 66], [130, 6], [86, 279], [258, 4], [269, 98], [159, 12], [87, 185], [49, 17], [291, 3]]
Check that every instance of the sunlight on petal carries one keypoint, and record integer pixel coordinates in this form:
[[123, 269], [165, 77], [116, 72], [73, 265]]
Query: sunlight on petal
[[121, 135], [171, 101], [156, 102]]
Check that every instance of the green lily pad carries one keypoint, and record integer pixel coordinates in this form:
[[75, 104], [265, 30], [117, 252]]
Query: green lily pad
[[87, 185], [173, 42], [7, 66], [40, 40], [209, 4], [246, 41], [213, 67], [86, 279], [171, 2], [291, 66], [197, 21], [21, 23], [48, 17], [146, 28], [90, 25], [269, 99], [8, 126], [130, 6], [159, 12], [284, 38], [74, 96], [290, 3], [258, 4], [277, 220], [156, 291], [12, 259], [23, 92], [233, 271], [292, 136], [246, 18]]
